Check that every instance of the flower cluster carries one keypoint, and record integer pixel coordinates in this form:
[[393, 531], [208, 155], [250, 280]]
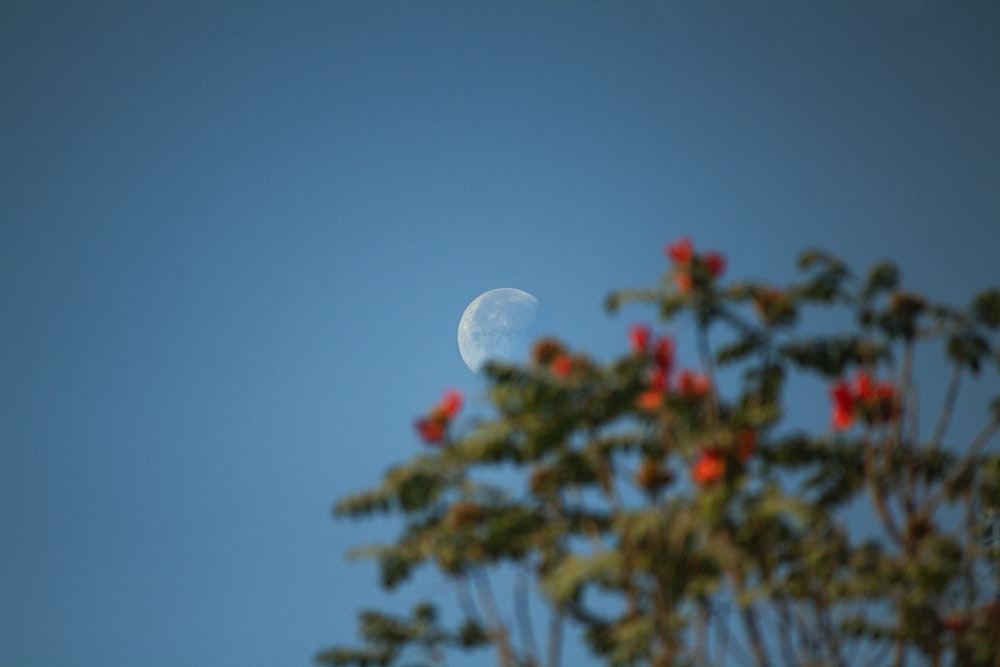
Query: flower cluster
[[692, 268], [710, 466], [433, 426], [691, 385], [875, 402], [551, 354], [662, 351]]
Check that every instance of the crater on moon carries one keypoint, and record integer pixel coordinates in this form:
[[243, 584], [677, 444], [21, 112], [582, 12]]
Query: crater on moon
[[498, 325]]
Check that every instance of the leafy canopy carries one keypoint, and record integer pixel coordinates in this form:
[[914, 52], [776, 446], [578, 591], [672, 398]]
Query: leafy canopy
[[675, 521]]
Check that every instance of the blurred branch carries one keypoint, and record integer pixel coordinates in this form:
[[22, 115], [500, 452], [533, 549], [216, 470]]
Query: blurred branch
[[951, 396], [523, 615]]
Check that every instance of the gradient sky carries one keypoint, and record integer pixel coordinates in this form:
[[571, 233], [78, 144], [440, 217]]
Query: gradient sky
[[236, 238]]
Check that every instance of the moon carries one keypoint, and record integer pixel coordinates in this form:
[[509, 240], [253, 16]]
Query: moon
[[498, 325]]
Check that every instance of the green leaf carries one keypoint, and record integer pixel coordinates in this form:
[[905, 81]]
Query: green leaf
[[364, 503], [340, 656], [394, 568], [737, 350], [986, 308], [565, 581], [418, 491], [814, 257], [967, 348], [881, 277], [614, 301], [471, 635], [831, 355]]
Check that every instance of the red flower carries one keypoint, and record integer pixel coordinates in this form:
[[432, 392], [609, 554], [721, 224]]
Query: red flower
[[715, 263], [653, 396], [681, 251], [433, 426], [843, 405], [683, 282], [692, 385], [450, 403], [874, 401], [562, 366], [664, 353], [638, 336], [709, 467], [649, 400], [658, 379], [430, 429], [864, 390]]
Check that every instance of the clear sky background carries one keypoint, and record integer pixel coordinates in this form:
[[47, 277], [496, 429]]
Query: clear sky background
[[236, 239]]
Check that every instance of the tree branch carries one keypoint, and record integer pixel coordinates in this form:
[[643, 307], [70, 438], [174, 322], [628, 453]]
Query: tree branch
[[523, 615], [878, 499], [554, 649], [944, 419], [961, 467], [487, 602]]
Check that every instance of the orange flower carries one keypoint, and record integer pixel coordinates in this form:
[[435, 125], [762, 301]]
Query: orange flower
[[562, 366], [649, 400], [874, 401], [692, 385], [681, 251], [843, 405], [431, 430], [653, 396], [450, 403], [863, 387], [683, 282], [638, 336], [433, 426], [683, 255], [877, 398], [709, 467]]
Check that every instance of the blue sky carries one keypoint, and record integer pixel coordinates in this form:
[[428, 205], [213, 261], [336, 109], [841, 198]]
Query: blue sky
[[236, 239]]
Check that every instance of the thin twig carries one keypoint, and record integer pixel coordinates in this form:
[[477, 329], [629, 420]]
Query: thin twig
[[913, 490], [705, 354], [466, 600], [899, 649], [897, 440], [749, 618], [554, 649], [947, 408], [878, 499], [905, 375], [701, 632], [722, 625], [971, 548], [488, 603], [960, 469], [829, 636], [523, 615], [785, 631], [880, 653]]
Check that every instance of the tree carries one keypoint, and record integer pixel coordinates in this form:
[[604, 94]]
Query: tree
[[677, 521]]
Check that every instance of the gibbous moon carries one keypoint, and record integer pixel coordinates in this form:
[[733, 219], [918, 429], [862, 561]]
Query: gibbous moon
[[498, 325]]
